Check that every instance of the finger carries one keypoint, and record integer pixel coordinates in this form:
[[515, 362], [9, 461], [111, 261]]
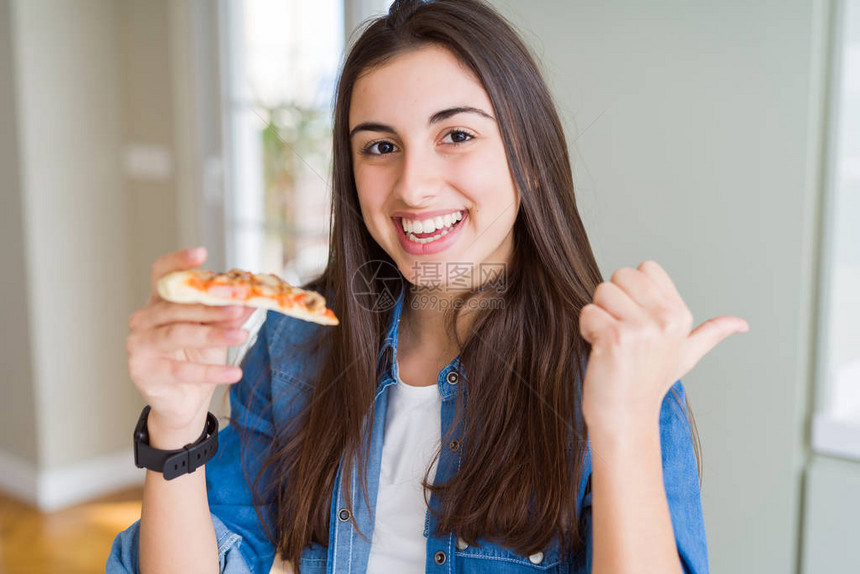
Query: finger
[[659, 276], [613, 299], [639, 287], [238, 322], [177, 336], [707, 336], [243, 317], [176, 261], [594, 321], [172, 371], [165, 312]]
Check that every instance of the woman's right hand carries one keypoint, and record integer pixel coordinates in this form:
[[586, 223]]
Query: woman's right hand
[[177, 352]]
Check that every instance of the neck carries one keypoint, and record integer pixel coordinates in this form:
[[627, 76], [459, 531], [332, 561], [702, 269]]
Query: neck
[[422, 323]]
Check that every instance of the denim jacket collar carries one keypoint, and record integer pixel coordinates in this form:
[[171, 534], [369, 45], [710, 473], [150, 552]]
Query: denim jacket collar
[[389, 343], [388, 353]]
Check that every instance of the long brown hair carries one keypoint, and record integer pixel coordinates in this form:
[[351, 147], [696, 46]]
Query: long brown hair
[[519, 407]]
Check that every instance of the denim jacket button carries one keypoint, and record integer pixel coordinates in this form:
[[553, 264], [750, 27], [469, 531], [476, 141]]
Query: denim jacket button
[[536, 558], [454, 445], [439, 558], [452, 378], [343, 514], [461, 544]]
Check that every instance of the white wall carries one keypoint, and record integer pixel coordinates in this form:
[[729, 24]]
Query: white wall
[[17, 399], [694, 128], [86, 78], [75, 218]]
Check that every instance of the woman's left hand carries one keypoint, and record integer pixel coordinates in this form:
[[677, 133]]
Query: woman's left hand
[[640, 332]]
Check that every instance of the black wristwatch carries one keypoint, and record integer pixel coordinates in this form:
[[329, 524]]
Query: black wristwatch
[[173, 463]]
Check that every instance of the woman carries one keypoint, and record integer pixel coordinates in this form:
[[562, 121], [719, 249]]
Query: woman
[[488, 403]]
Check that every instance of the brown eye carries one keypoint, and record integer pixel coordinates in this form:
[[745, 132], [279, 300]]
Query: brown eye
[[379, 148], [458, 137]]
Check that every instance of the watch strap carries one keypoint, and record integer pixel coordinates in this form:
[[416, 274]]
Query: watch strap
[[174, 463]]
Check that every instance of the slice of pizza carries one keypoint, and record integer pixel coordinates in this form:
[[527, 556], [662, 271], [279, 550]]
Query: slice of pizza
[[237, 287]]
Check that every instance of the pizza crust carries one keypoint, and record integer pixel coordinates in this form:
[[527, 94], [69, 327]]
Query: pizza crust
[[175, 287]]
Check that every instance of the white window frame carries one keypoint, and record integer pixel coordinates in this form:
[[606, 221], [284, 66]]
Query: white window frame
[[197, 139], [836, 422]]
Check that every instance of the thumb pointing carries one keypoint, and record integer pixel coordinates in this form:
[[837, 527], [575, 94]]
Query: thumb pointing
[[706, 336]]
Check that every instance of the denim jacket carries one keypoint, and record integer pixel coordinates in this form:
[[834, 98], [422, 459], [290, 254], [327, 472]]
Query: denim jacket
[[243, 546]]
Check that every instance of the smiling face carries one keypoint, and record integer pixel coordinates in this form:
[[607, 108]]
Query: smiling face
[[433, 180]]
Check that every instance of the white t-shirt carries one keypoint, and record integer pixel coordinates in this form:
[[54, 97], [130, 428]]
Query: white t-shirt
[[412, 430]]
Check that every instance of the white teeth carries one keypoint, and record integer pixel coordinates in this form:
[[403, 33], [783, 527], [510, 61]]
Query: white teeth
[[431, 225], [427, 226]]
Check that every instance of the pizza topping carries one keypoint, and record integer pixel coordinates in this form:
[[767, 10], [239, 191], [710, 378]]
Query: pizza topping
[[269, 280], [265, 290], [241, 285]]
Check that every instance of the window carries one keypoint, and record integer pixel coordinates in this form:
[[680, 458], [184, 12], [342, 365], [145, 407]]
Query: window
[[836, 426], [281, 62]]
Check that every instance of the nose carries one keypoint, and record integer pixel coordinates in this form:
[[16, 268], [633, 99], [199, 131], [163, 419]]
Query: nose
[[419, 180]]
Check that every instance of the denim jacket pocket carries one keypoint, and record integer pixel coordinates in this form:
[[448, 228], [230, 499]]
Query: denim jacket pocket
[[290, 393], [314, 559], [290, 375], [490, 557]]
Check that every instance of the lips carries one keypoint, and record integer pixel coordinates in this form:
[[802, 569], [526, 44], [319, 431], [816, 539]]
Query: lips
[[426, 243]]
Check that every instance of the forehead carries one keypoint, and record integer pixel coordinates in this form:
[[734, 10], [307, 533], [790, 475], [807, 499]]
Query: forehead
[[414, 85]]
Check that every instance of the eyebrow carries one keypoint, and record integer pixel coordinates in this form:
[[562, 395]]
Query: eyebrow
[[434, 119]]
